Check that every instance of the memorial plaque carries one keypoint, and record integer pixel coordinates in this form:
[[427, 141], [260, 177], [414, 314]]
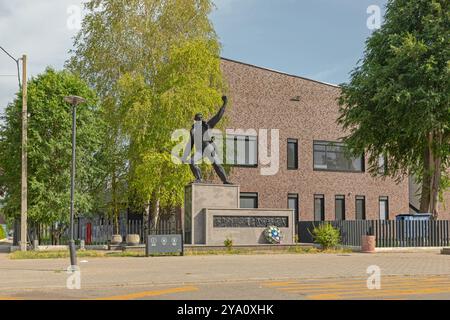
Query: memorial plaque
[[170, 243], [250, 222]]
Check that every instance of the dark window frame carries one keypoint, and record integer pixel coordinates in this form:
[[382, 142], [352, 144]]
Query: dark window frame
[[384, 199], [363, 199], [249, 195], [294, 196], [322, 214], [336, 198], [235, 141], [335, 143], [382, 169], [292, 141]]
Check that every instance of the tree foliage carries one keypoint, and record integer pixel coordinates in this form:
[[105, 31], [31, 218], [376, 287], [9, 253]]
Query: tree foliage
[[50, 149], [183, 86], [397, 102], [155, 63]]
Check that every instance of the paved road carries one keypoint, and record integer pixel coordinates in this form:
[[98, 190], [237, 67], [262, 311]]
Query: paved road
[[280, 276]]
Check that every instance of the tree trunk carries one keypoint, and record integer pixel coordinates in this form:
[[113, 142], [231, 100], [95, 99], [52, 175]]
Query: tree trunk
[[115, 208], [435, 177], [146, 221], [156, 212], [426, 180]]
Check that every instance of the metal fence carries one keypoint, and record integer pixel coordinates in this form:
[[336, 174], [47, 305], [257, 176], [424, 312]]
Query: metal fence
[[102, 232], [388, 233], [98, 230]]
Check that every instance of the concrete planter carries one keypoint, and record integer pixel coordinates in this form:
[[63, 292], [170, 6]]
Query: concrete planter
[[116, 239], [133, 239], [368, 244]]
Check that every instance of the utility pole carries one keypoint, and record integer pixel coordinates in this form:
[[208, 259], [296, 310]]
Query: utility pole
[[24, 185]]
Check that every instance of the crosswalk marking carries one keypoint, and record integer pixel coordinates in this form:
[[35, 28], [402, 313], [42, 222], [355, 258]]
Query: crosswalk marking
[[391, 287], [145, 294], [378, 293], [359, 284]]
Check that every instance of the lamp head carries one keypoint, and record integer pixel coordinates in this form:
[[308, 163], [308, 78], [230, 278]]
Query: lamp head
[[74, 100]]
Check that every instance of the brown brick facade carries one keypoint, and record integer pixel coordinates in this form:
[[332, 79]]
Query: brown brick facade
[[444, 207], [261, 98]]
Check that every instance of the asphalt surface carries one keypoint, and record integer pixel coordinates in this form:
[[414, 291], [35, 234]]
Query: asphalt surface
[[246, 277]]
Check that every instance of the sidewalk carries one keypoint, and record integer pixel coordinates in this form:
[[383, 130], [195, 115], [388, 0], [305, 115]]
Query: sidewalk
[[106, 272]]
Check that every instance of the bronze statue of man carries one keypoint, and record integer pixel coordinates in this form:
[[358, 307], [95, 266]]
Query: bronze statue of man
[[200, 136]]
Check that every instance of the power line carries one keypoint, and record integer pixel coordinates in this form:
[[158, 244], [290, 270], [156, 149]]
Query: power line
[[9, 54], [15, 60]]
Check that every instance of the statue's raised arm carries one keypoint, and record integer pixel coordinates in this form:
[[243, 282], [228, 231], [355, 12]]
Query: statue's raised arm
[[215, 120]]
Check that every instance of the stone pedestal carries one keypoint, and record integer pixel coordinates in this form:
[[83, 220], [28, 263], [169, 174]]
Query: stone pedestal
[[200, 196], [212, 215]]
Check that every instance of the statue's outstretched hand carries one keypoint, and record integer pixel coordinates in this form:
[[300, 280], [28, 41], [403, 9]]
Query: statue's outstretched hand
[[224, 99]]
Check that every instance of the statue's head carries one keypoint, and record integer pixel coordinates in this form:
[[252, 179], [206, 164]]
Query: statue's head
[[198, 117]]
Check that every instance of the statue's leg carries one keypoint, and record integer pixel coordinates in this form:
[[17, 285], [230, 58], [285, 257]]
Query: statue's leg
[[218, 168], [221, 173], [196, 171]]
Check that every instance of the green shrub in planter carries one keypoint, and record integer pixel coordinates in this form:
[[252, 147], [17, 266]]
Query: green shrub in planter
[[327, 236]]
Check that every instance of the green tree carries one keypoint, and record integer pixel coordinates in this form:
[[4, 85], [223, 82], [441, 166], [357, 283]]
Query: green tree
[[396, 104], [154, 64], [49, 150], [189, 82]]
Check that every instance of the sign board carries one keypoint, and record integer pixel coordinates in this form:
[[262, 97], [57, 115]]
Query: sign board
[[170, 243]]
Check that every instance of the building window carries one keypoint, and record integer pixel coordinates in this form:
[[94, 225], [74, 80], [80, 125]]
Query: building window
[[319, 207], [384, 208], [241, 150], [340, 207], [332, 156], [249, 200], [292, 154], [382, 165], [293, 204], [360, 205]]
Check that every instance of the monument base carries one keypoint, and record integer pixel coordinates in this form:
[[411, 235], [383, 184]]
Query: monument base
[[212, 215]]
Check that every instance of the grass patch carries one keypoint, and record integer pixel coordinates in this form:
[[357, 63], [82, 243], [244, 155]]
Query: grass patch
[[315, 250], [61, 254], [290, 250], [20, 255], [124, 254], [217, 252]]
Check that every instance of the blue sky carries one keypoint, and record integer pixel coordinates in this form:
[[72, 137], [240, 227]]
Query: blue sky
[[318, 39]]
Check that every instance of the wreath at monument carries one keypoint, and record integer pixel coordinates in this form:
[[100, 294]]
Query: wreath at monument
[[273, 235]]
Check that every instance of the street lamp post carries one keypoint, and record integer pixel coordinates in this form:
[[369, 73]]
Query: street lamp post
[[74, 101]]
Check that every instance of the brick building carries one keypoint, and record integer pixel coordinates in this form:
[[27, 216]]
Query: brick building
[[314, 177]]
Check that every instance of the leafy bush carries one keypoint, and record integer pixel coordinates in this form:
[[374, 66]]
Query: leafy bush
[[2, 232], [327, 236], [228, 243]]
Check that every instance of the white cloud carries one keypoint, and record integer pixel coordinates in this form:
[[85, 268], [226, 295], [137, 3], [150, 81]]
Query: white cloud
[[38, 29]]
